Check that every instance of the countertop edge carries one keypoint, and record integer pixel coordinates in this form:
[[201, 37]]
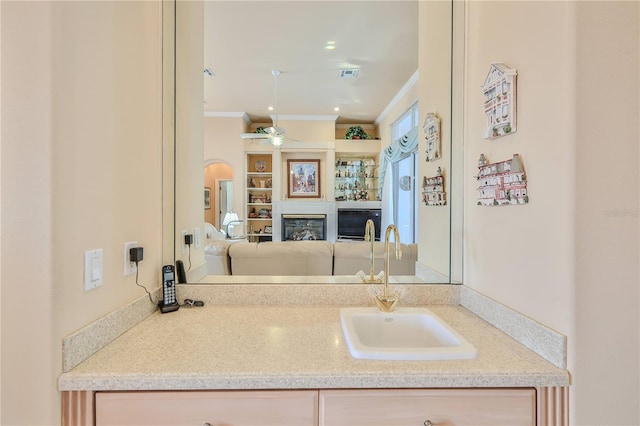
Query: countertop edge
[[262, 382]]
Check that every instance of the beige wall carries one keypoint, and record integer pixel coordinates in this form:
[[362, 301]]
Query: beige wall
[[522, 254], [606, 339], [81, 98], [562, 259], [189, 132], [310, 130], [435, 97], [433, 92], [222, 143]]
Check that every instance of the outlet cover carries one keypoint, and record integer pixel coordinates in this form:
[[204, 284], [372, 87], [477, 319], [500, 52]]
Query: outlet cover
[[185, 247], [93, 269], [129, 267]]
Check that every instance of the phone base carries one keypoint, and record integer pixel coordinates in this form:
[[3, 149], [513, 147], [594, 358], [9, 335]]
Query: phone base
[[168, 308]]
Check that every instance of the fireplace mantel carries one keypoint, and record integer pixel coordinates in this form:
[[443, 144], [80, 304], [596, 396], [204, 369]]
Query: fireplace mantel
[[327, 208]]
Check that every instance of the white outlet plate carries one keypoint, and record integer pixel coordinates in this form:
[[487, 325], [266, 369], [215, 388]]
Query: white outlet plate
[[93, 269], [129, 267], [185, 248], [198, 238]]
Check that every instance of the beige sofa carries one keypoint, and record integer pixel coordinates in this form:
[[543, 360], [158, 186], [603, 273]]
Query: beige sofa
[[350, 257], [305, 258], [282, 258]]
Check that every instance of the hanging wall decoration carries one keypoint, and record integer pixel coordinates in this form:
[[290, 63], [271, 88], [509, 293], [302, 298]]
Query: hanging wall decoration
[[431, 129], [433, 190], [501, 183], [499, 89]]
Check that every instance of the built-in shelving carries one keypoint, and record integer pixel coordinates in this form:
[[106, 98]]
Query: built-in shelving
[[258, 200], [356, 178]]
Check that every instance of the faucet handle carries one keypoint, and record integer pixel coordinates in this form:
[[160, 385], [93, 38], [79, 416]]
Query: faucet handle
[[387, 303]]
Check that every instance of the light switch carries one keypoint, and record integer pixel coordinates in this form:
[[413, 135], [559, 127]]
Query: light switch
[[93, 269]]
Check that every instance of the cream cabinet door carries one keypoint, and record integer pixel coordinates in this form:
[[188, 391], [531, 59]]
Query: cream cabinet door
[[437, 407], [214, 408]]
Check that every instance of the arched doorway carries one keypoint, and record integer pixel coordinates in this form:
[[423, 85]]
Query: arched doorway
[[218, 178]]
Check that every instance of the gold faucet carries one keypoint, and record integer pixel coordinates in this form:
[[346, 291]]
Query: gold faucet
[[387, 302], [370, 235]]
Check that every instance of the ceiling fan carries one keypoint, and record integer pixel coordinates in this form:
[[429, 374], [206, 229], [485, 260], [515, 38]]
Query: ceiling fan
[[275, 134]]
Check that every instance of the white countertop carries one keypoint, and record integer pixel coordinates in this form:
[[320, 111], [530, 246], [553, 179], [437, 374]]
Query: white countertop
[[282, 347]]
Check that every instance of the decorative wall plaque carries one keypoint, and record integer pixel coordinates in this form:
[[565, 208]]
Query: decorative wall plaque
[[432, 135], [499, 89], [501, 183], [433, 193]]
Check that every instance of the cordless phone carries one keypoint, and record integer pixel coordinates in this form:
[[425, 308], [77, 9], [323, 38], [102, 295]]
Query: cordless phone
[[169, 302]]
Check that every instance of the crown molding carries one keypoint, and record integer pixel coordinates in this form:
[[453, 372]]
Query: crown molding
[[227, 114], [306, 117], [413, 80]]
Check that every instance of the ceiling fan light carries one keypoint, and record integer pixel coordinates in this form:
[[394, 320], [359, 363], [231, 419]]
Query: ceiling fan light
[[277, 140]]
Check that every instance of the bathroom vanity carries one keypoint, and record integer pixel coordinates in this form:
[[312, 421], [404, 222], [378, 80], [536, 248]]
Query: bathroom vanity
[[264, 364]]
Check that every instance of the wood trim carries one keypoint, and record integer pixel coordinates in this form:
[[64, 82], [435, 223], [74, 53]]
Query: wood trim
[[77, 408], [553, 406]]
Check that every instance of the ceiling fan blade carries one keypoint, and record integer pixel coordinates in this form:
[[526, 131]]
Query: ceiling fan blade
[[274, 133], [254, 136]]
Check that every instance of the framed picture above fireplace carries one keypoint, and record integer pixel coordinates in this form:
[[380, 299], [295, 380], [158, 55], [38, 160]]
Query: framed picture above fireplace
[[304, 178]]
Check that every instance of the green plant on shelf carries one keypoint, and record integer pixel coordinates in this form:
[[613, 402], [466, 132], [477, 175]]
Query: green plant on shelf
[[356, 132]]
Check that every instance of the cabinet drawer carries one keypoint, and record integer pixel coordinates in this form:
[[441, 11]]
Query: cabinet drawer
[[217, 408], [400, 407]]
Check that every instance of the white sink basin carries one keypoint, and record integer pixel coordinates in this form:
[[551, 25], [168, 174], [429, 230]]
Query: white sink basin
[[404, 334]]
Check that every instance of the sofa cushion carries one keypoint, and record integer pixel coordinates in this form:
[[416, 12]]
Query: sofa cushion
[[353, 256], [282, 258]]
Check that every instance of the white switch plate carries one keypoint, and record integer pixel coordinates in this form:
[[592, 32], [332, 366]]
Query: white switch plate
[[93, 269], [129, 267], [197, 238]]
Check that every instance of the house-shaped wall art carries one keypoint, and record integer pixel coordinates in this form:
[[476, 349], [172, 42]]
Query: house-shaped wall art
[[499, 90], [431, 129], [433, 193], [501, 183]]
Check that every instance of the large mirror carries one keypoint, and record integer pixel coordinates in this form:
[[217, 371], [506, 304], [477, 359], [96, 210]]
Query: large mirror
[[402, 52]]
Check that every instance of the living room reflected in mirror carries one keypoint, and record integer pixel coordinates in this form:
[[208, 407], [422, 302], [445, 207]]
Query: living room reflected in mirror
[[282, 235]]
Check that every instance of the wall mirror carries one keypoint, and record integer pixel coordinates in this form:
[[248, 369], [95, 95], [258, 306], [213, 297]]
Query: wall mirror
[[252, 25]]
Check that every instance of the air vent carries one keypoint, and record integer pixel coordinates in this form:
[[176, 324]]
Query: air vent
[[350, 73]]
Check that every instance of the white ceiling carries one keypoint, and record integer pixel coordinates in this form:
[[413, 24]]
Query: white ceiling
[[246, 40]]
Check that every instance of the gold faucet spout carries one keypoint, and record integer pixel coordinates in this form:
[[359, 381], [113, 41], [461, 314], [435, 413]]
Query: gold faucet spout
[[370, 235], [387, 302]]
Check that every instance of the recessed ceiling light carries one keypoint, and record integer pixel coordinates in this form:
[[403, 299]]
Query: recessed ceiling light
[[336, 109], [270, 108], [330, 45]]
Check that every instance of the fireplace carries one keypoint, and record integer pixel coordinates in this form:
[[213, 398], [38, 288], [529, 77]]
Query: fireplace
[[298, 227]]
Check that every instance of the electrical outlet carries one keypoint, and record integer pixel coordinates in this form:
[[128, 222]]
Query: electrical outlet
[[197, 238], [185, 248], [129, 266]]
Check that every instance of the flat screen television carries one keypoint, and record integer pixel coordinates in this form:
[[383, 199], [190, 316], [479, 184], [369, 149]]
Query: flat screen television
[[352, 223]]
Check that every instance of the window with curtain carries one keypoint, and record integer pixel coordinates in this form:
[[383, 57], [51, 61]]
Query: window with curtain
[[401, 159]]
